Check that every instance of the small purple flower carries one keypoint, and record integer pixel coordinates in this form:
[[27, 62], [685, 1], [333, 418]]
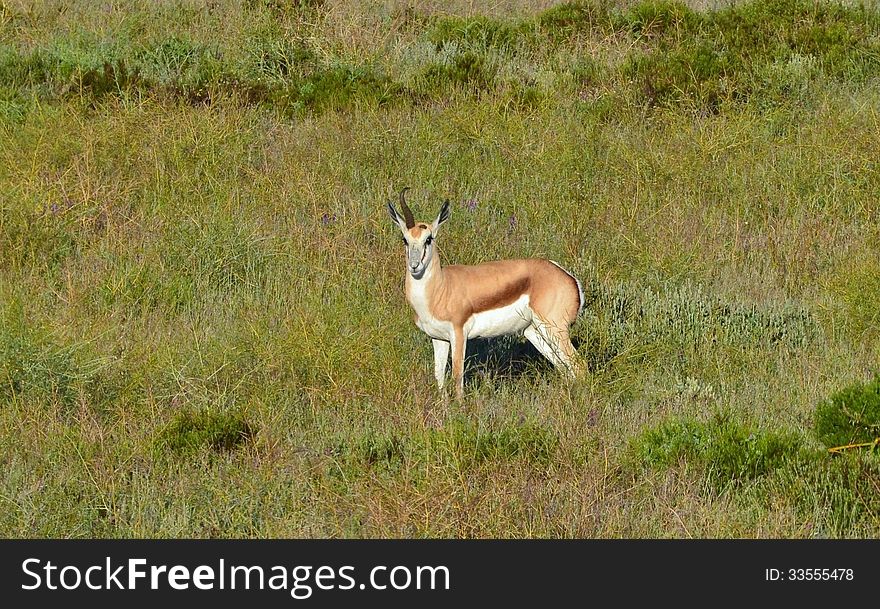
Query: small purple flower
[[471, 204], [328, 218], [54, 208], [511, 224]]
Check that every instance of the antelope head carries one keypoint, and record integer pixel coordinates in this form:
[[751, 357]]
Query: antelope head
[[418, 237]]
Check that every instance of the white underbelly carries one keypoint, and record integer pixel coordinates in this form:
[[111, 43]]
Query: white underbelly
[[511, 319]]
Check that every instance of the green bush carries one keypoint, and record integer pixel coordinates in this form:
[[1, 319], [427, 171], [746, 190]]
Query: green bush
[[730, 452], [571, 18], [275, 72], [850, 416], [282, 8], [654, 18], [192, 431], [181, 65], [337, 85], [677, 56], [465, 69], [272, 58], [692, 73]]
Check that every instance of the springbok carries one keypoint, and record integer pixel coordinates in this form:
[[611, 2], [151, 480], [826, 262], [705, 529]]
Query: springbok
[[535, 297]]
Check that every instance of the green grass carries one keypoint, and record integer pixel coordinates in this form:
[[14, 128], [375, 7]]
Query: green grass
[[203, 330]]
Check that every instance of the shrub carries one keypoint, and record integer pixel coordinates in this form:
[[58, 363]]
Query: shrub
[[587, 71], [839, 493], [276, 72], [731, 453], [654, 18], [571, 18], [337, 85], [850, 416], [464, 69], [696, 72], [192, 431], [275, 59], [282, 8], [182, 68]]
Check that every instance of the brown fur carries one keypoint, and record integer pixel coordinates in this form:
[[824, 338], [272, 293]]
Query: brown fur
[[463, 291]]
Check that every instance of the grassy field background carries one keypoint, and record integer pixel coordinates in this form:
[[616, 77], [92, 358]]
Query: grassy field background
[[203, 330]]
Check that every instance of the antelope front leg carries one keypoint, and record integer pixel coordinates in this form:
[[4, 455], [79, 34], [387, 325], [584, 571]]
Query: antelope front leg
[[458, 345], [441, 356]]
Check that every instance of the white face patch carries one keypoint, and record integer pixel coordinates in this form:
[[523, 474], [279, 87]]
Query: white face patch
[[419, 250]]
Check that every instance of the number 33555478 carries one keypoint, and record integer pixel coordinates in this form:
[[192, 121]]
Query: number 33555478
[[809, 574]]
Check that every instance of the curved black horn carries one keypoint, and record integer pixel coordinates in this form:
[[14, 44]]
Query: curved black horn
[[407, 212]]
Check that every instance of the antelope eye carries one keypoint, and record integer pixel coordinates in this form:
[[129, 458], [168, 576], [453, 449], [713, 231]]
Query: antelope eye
[[429, 240], [403, 240]]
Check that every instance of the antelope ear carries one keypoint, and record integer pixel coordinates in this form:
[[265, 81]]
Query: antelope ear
[[443, 216], [395, 217]]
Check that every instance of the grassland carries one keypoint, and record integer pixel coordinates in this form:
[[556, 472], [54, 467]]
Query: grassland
[[203, 331]]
